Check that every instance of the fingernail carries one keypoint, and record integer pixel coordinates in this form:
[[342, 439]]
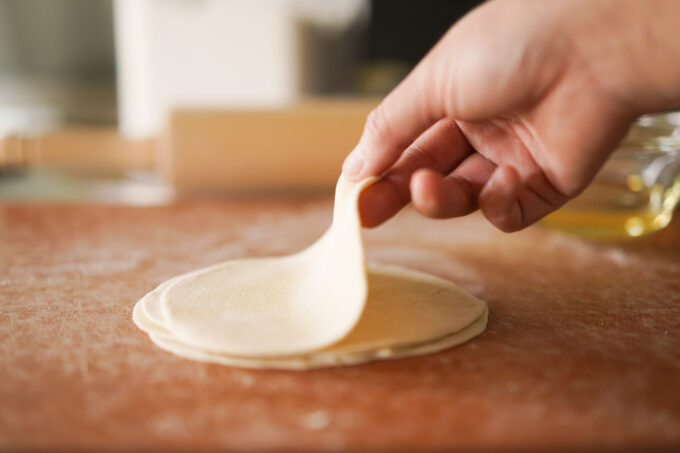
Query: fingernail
[[353, 165]]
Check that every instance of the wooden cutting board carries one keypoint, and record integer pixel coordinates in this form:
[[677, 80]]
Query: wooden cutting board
[[582, 350]]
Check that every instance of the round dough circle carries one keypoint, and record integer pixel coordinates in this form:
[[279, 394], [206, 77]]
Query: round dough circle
[[404, 307], [363, 344], [322, 306]]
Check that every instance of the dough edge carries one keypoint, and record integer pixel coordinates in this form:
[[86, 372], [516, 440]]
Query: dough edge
[[164, 339]]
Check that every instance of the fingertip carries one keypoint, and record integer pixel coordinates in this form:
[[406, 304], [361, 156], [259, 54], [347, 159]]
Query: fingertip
[[354, 165], [379, 202], [426, 192], [498, 200], [440, 197]]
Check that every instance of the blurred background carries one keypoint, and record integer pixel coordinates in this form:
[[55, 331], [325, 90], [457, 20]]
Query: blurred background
[[144, 101], [71, 60], [139, 100]]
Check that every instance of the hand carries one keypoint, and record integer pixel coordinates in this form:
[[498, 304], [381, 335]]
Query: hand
[[517, 107]]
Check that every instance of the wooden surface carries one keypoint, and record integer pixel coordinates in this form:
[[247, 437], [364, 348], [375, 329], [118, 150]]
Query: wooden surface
[[582, 350]]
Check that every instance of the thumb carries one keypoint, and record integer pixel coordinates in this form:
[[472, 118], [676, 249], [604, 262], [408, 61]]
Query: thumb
[[410, 109]]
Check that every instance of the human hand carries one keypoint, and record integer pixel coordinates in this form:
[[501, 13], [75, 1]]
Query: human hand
[[516, 108]]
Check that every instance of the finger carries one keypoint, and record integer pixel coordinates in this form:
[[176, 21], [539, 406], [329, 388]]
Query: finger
[[498, 200], [512, 204], [438, 196], [410, 109], [441, 148], [500, 142]]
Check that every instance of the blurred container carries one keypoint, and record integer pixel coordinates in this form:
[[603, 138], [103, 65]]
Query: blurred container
[[636, 191]]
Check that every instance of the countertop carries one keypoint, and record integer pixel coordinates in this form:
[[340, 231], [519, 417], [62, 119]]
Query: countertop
[[582, 350]]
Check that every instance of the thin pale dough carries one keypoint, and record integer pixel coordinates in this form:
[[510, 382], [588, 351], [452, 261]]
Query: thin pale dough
[[403, 308], [281, 305], [319, 307], [329, 357], [321, 359]]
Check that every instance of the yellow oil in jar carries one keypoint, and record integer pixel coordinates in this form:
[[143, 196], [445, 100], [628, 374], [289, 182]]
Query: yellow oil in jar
[[609, 211], [636, 191]]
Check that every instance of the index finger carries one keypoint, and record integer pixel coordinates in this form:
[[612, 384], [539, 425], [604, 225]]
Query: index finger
[[407, 111]]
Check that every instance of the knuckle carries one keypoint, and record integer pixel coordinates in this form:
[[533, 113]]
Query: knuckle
[[570, 180], [572, 187]]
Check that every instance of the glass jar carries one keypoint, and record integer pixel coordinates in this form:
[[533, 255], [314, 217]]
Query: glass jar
[[636, 191]]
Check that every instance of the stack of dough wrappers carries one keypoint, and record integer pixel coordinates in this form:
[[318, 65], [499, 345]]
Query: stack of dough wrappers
[[323, 306]]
